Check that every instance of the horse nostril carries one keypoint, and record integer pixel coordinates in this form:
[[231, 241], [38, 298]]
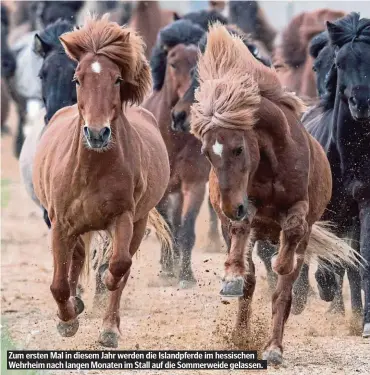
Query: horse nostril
[[240, 212], [353, 101], [105, 133], [86, 132]]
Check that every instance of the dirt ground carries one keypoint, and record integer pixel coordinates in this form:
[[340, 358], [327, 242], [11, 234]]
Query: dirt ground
[[156, 314]]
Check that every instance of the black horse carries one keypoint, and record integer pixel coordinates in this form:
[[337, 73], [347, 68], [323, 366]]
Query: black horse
[[341, 122]]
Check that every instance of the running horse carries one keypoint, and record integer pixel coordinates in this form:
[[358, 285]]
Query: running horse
[[269, 178], [101, 165]]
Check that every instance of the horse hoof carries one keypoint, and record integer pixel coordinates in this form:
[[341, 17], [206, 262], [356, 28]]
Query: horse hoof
[[68, 329], [79, 305], [232, 288], [366, 331], [273, 356], [186, 284], [109, 339]]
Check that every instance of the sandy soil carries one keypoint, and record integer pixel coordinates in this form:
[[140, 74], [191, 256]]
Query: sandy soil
[[156, 315]]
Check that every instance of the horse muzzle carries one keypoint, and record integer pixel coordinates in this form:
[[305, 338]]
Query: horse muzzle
[[97, 139]]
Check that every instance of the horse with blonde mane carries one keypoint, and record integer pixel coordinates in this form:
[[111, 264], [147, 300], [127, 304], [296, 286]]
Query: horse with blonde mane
[[270, 180], [101, 165]]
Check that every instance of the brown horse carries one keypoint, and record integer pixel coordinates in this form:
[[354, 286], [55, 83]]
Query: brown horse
[[269, 177], [171, 65], [148, 18], [101, 166], [292, 59]]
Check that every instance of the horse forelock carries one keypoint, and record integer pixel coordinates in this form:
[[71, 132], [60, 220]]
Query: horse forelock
[[232, 83], [178, 32]]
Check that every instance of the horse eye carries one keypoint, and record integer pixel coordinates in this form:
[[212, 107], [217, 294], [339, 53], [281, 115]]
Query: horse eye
[[77, 81], [314, 68], [173, 65], [237, 151], [118, 81]]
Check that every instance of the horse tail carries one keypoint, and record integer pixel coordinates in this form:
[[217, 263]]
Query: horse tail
[[330, 249], [162, 229]]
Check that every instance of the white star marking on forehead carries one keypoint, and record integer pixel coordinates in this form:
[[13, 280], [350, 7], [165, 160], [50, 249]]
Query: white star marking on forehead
[[96, 67], [217, 148]]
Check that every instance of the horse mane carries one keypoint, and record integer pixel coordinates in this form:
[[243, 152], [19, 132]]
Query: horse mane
[[232, 85], [178, 32], [50, 35], [250, 18], [318, 43], [349, 29], [297, 35], [122, 45], [204, 18]]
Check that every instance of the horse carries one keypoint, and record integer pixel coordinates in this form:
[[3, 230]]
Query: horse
[[269, 178], [251, 19], [58, 91], [204, 17], [340, 123], [148, 18], [101, 165], [292, 60], [173, 56], [8, 66]]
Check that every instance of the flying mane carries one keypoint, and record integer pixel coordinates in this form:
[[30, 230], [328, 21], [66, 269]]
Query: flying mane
[[122, 45], [232, 85]]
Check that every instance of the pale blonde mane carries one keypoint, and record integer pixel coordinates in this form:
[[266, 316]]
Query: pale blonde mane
[[232, 83], [122, 45]]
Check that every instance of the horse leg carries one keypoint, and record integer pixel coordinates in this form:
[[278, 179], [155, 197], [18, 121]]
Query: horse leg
[[365, 271], [78, 259], [242, 329], [193, 197], [176, 223], [337, 305], [166, 256], [293, 243], [121, 258], [214, 243], [300, 291], [265, 251], [111, 321], [68, 308]]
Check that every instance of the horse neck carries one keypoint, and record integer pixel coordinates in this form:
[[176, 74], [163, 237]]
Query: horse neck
[[160, 104]]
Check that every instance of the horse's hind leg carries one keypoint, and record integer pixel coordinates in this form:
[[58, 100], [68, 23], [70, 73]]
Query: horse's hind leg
[[78, 260], [193, 197], [63, 249], [214, 243], [265, 251], [111, 321]]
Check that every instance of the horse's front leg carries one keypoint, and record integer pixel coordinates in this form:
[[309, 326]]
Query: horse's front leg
[[68, 308], [293, 243], [121, 259], [214, 243], [111, 322]]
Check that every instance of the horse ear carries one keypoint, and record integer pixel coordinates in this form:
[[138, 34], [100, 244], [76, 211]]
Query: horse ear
[[40, 47], [176, 16], [333, 31], [72, 50]]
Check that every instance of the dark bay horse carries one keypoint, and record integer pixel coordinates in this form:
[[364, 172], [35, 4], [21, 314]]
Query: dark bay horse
[[173, 56], [269, 178], [292, 58], [101, 165], [340, 122]]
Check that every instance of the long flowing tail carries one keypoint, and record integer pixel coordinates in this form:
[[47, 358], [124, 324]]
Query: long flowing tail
[[162, 229], [330, 249]]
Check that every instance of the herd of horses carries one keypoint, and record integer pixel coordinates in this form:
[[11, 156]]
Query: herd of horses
[[126, 142]]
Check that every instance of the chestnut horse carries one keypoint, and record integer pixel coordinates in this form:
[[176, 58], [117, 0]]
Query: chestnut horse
[[148, 18], [101, 166], [269, 177], [292, 59], [173, 57]]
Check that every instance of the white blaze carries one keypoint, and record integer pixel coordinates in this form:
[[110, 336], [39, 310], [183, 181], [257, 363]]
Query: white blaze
[[217, 148], [96, 68]]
